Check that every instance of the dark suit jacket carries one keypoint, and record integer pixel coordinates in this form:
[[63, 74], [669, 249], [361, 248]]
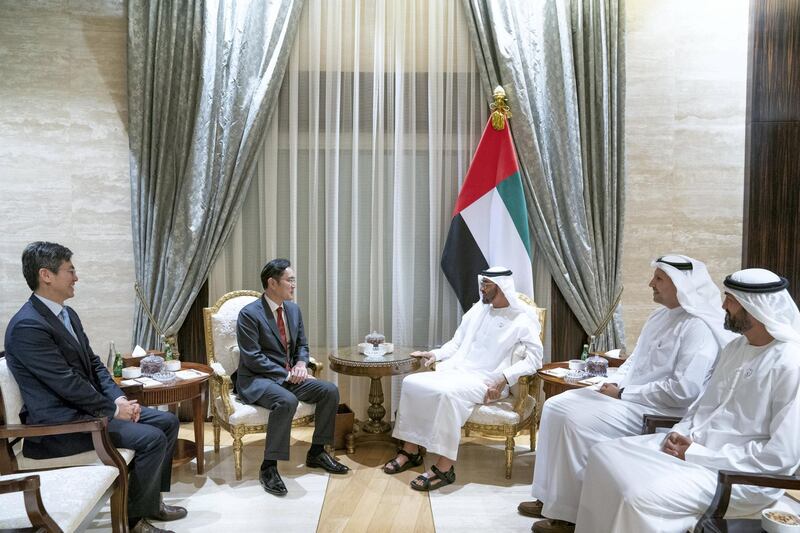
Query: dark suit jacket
[[60, 378], [261, 353]]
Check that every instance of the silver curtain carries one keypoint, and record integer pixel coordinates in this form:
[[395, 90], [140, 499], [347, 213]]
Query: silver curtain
[[562, 64], [203, 77]]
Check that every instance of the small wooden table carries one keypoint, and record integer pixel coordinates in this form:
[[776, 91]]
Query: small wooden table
[[350, 362], [183, 389], [552, 385]]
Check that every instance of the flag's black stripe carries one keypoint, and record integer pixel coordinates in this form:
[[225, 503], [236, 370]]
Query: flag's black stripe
[[462, 261]]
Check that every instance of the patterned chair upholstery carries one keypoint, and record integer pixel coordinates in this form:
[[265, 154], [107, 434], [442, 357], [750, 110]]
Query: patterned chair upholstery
[[222, 349], [61, 494], [507, 417]]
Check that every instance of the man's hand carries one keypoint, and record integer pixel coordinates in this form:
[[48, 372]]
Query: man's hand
[[127, 409], [495, 389], [676, 445], [427, 357], [299, 373], [609, 389]]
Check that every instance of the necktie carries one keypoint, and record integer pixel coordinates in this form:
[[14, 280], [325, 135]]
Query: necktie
[[67, 324], [282, 333]]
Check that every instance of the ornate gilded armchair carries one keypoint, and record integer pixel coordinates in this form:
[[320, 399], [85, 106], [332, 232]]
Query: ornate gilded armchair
[[507, 417], [222, 349]]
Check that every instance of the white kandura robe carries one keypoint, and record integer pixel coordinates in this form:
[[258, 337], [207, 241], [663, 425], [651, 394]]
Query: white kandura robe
[[748, 419], [664, 375], [434, 405]]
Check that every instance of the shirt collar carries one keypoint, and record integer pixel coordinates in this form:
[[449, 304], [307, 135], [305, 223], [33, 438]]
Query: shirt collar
[[53, 306], [272, 305]]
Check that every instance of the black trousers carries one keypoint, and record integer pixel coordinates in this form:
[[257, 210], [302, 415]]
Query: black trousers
[[282, 400], [153, 439]]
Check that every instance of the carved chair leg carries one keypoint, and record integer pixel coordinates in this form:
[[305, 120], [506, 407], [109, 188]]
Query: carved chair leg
[[466, 432], [533, 433], [509, 455], [237, 455], [119, 509], [215, 424]]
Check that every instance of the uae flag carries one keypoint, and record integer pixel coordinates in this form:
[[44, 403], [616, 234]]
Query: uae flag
[[490, 220]]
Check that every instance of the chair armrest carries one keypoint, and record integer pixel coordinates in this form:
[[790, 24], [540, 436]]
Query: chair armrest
[[218, 368], [222, 385], [651, 422], [34, 507], [523, 390], [315, 366], [19, 484], [98, 427], [42, 430], [727, 478]]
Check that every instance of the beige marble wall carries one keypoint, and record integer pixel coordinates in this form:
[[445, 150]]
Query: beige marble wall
[[64, 154], [686, 89]]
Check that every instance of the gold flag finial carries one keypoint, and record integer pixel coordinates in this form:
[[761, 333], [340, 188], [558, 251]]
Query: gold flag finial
[[500, 109]]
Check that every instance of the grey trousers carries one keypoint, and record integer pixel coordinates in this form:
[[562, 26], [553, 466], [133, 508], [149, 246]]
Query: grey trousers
[[282, 399]]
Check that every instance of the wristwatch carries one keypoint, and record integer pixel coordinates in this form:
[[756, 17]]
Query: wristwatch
[[619, 394]]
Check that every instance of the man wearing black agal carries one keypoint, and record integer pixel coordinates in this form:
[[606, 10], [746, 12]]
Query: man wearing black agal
[[273, 373]]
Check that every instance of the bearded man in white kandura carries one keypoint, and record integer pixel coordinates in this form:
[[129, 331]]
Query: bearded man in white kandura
[[475, 367]]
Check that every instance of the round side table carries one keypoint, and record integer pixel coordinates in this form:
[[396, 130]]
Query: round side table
[[183, 389], [350, 362]]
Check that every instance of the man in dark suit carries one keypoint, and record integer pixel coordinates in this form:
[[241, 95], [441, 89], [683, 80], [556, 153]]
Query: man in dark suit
[[61, 380], [272, 373]]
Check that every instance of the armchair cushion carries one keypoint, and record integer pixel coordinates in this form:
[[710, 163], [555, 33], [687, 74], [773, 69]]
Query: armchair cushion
[[255, 414], [85, 458], [69, 495], [501, 412]]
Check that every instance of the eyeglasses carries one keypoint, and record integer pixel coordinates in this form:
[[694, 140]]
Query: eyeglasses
[[291, 281]]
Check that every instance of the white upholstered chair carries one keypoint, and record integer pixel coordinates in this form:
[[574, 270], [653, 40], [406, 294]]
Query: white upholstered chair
[[11, 405], [62, 494], [222, 350], [507, 417]]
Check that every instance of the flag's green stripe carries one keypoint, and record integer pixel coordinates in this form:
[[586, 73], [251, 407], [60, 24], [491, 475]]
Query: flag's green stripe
[[511, 192]]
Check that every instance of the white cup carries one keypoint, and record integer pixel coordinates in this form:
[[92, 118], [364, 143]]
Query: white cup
[[173, 365], [577, 364], [130, 372]]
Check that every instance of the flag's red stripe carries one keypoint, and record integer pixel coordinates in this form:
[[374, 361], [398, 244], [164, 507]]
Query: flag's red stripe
[[493, 162]]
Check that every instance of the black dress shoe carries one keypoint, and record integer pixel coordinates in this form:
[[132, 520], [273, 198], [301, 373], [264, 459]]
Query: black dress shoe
[[326, 462], [168, 513], [271, 481], [143, 526]]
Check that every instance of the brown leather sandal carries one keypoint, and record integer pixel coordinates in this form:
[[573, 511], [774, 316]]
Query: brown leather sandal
[[414, 459]]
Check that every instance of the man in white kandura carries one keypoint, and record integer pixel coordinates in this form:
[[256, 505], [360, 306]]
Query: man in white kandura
[[665, 373], [476, 367], [748, 419]]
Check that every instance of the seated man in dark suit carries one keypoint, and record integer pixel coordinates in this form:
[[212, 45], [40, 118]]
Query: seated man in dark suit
[[61, 380], [272, 373]]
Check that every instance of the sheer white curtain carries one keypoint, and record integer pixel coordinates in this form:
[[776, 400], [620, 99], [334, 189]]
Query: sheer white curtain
[[378, 117]]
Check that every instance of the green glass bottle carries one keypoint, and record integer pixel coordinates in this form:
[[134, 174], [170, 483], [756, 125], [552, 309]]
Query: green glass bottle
[[117, 360], [167, 350], [585, 352]]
